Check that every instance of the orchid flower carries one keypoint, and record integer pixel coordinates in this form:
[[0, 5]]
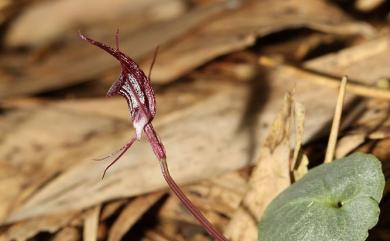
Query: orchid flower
[[135, 87]]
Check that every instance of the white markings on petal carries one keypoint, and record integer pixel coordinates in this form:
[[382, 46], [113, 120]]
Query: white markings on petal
[[127, 91]]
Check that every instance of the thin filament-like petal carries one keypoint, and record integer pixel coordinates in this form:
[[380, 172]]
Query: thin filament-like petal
[[124, 149]]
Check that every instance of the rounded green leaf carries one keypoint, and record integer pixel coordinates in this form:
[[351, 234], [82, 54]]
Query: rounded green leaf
[[332, 202]]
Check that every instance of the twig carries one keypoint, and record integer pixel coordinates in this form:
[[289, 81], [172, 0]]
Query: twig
[[332, 82], [336, 122]]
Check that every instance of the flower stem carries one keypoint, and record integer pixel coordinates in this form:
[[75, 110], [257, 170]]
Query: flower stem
[[189, 205]]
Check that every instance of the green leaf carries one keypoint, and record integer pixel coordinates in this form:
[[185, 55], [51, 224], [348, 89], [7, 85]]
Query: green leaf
[[333, 202]]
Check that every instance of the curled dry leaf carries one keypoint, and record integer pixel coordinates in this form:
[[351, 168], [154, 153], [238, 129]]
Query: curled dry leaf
[[270, 176], [299, 125], [302, 168]]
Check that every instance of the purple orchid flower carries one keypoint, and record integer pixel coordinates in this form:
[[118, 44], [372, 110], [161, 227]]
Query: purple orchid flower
[[136, 88]]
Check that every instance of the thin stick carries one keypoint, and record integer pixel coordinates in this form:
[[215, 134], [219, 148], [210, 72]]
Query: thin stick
[[336, 122], [354, 88]]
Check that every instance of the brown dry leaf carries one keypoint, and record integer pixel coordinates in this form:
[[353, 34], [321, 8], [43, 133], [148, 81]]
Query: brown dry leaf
[[76, 63], [91, 224], [239, 28], [220, 195], [67, 234], [48, 156], [356, 61], [302, 168], [130, 215], [26, 229], [156, 236], [72, 180], [68, 15], [299, 125], [223, 193], [308, 44], [227, 32], [110, 208], [372, 120], [270, 176], [299, 162], [368, 5], [146, 175], [10, 8]]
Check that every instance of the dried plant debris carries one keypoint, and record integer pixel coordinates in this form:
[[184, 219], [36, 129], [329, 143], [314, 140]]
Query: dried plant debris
[[65, 18], [29, 228], [268, 178], [130, 215], [81, 62], [370, 121], [368, 5], [216, 120], [198, 167], [240, 28], [188, 41]]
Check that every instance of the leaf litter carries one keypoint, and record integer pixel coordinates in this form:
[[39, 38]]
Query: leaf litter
[[55, 184]]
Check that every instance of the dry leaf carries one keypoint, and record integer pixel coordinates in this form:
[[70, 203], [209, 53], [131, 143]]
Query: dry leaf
[[76, 63], [368, 5], [299, 125], [349, 143], [190, 159], [239, 28], [302, 168], [10, 8], [371, 120], [153, 235], [91, 224], [182, 52], [26, 229], [111, 208], [65, 15], [224, 117], [130, 215], [356, 61], [67, 234], [270, 176]]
